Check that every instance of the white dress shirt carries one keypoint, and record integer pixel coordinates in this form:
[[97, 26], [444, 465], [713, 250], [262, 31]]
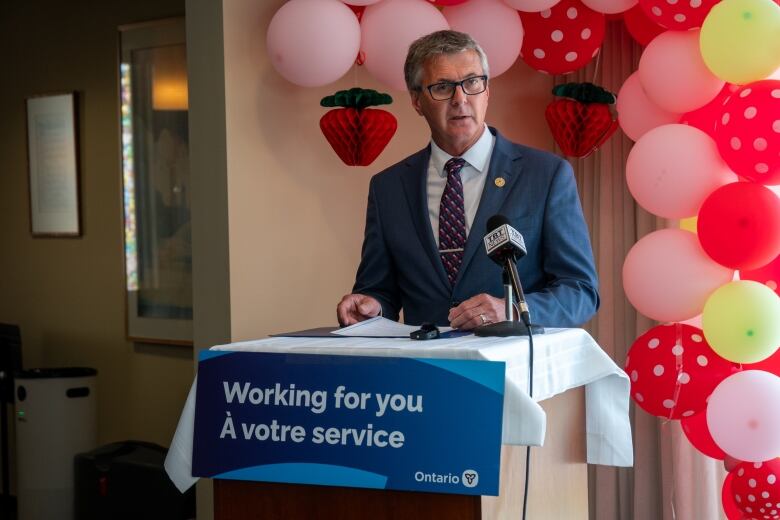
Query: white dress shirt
[[473, 175]]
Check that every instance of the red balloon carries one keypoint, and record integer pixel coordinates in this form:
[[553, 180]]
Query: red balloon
[[739, 225], [727, 498], [562, 39], [704, 118], [679, 15], [696, 430], [770, 364], [756, 489], [730, 463], [768, 275], [358, 10], [673, 370], [747, 131], [640, 27]]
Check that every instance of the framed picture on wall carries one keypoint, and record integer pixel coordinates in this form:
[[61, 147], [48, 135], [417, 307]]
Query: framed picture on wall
[[156, 181], [52, 154]]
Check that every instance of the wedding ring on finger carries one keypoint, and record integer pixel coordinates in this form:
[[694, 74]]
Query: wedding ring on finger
[[484, 320]]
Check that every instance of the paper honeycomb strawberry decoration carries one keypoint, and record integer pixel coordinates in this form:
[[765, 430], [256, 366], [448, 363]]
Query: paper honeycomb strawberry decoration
[[358, 134], [583, 117]]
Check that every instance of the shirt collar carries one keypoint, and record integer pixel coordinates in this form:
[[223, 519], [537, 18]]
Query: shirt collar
[[477, 156]]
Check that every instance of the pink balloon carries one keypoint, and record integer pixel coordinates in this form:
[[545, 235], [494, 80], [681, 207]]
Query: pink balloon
[[447, 2], [637, 114], [531, 6], [562, 39], [673, 168], [742, 415], [673, 72], [748, 131], [610, 6], [361, 2], [306, 51], [704, 118], [388, 28], [693, 322], [496, 27], [678, 16], [667, 276]]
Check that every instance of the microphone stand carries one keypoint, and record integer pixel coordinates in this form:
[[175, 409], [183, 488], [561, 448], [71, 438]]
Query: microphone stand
[[511, 327]]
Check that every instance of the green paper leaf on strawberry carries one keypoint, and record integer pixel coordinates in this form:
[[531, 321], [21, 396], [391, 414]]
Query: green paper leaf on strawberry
[[356, 133], [583, 118]]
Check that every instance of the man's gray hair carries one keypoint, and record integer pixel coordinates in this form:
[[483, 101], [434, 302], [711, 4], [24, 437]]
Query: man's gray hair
[[437, 44]]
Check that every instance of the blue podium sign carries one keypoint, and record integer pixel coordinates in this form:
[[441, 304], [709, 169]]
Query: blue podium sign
[[371, 422]]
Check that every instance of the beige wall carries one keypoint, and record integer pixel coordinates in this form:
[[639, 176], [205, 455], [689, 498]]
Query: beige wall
[[296, 212], [67, 294]]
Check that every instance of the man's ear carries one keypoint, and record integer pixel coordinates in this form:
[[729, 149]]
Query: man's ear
[[416, 102]]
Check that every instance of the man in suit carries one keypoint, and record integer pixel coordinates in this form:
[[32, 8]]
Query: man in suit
[[426, 216]]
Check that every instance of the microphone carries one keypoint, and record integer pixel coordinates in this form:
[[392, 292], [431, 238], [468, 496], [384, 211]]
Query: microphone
[[505, 245], [503, 240]]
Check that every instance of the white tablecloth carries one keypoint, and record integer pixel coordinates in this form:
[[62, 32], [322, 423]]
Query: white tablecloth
[[563, 359]]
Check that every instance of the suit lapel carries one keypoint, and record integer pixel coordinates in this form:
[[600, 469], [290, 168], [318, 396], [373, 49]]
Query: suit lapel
[[502, 164], [414, 180]]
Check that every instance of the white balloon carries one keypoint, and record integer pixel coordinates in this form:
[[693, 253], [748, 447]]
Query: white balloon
[[743, 418]]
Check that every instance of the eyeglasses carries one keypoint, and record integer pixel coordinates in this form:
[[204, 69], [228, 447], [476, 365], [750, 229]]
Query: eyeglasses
[[446, 89]]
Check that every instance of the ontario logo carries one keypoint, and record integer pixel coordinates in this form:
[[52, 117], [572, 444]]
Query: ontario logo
[[469, 478]]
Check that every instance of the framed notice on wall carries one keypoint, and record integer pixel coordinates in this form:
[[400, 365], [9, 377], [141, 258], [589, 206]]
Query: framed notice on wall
[[52, 149]]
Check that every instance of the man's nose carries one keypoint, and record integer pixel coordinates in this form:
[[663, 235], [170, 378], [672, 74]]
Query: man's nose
[[459, 96]]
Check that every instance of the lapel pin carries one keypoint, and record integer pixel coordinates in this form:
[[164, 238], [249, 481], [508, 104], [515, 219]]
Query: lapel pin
[[500, 182]]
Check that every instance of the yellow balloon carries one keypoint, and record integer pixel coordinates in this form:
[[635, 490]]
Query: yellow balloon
[[740, 40], [689, 224], [740, 321]]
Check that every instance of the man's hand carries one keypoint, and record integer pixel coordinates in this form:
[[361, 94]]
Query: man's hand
[[356, 307], [477, 310]]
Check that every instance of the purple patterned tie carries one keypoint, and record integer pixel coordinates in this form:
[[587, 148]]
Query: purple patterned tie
[[452, 220]]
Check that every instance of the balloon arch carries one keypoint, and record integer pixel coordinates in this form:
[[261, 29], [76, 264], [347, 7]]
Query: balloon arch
[[704, 111]]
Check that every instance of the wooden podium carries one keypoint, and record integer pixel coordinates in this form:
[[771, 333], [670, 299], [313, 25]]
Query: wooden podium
[[558, 487]]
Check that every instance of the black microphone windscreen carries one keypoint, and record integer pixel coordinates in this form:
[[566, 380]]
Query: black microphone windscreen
[[496, 221]]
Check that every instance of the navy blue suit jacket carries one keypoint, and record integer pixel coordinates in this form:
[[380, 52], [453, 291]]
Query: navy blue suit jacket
[[401, 268]]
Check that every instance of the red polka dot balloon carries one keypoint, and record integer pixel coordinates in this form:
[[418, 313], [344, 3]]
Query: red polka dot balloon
[[673, 370], [678, 15], [562, 39], [727, 499], [748, 131], [756, 489], [704, 118], [739, 225]]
